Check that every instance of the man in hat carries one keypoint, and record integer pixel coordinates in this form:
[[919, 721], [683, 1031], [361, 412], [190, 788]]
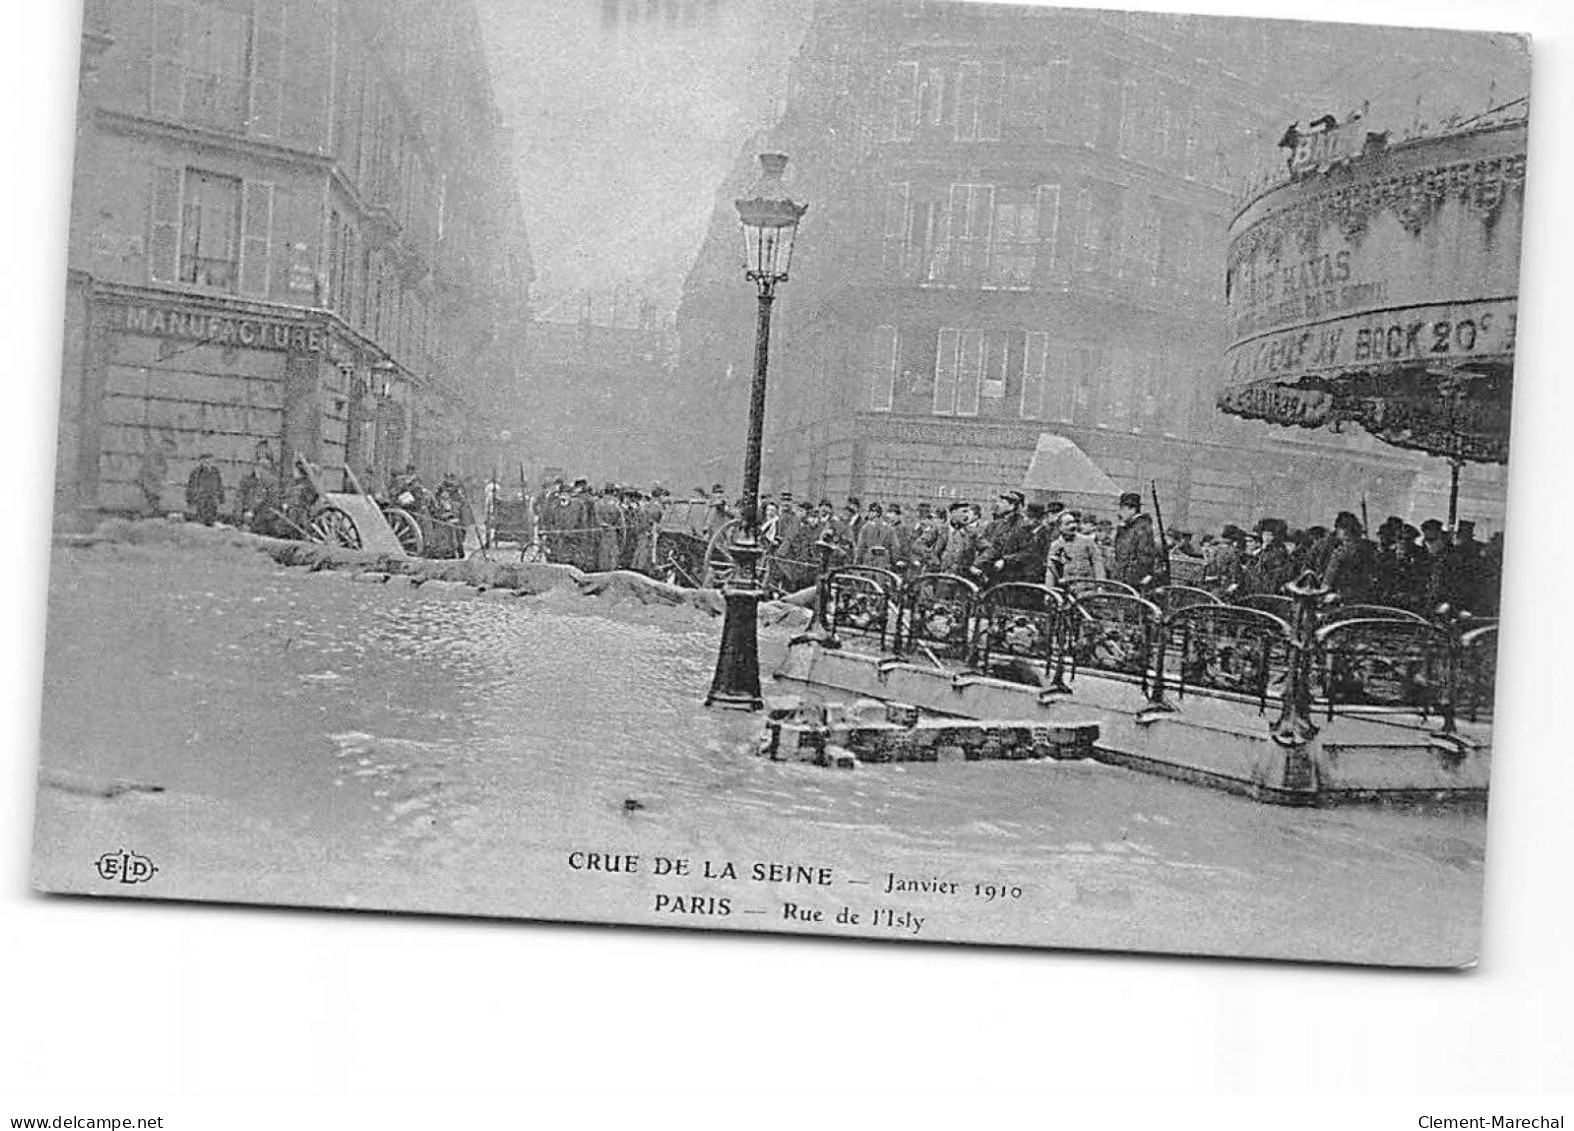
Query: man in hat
[[855, 516], [1006, 550], [961, 540], [205, 490], [1272, 567], [876, 542], [1135, 555], [1457, 578], [789, 551], [928, 540], [1349, 568], [1434, 545]]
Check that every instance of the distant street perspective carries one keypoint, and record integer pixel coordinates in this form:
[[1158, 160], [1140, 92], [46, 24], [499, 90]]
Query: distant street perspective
[[897, 469]]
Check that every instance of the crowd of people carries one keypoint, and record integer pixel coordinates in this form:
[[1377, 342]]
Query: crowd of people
[[614, 527], [1403, 566]]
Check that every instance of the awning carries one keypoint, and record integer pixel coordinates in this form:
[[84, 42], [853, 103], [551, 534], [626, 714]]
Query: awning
[[1060, 467], [1459, 411]]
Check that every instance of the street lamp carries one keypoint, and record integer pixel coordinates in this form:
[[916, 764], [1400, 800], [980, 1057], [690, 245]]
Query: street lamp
[[770, 224]]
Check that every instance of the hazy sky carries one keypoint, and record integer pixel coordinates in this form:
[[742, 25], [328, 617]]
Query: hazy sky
[[624, 132]]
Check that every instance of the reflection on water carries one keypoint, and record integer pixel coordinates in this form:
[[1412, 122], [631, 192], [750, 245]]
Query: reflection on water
[[442, 732]]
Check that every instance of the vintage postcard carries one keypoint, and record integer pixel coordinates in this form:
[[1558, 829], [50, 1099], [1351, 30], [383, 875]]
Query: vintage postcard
[[884, 469]]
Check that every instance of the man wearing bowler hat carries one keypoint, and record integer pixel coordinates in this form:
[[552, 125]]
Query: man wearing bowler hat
[[1136, 553]]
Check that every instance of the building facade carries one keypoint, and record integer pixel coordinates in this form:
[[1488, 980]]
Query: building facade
[[1017, 224], [292, 222]]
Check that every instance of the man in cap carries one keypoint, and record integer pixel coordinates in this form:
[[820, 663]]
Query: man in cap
[[1135, 556], [961, 540], [928, 540], [205, 490], [1006, 552]]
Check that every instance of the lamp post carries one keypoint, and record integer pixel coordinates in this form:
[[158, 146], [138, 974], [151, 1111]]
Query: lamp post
[[769, 220]]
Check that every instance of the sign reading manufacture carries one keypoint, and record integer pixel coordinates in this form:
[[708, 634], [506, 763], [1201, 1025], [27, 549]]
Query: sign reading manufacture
[[165, 320]]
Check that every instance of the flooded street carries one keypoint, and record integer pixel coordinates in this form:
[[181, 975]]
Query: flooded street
[[276, 735]]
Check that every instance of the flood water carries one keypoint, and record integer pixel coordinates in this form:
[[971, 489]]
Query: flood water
[[274, 735]]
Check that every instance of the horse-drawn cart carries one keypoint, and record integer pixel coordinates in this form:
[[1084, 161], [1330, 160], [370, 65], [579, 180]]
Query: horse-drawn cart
[[693, 544]]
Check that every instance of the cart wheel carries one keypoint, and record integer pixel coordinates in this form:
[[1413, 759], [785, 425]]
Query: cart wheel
[[719, 562], [406, 529], [333, 527]]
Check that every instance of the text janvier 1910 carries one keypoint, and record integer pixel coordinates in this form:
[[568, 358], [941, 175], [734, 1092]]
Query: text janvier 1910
[[812, 877]]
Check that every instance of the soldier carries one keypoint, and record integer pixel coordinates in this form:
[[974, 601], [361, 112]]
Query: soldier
[[205, 490], [1073, 555], [961, 540]]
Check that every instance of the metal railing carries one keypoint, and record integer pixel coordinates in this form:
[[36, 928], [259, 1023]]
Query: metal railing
[[1357, 658]]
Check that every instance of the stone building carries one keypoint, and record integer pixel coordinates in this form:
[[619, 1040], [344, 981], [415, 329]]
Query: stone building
[[292, 222], [1017, 224]]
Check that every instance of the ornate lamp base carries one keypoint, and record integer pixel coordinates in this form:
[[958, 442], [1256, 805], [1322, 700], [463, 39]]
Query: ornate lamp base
[[736, 685]]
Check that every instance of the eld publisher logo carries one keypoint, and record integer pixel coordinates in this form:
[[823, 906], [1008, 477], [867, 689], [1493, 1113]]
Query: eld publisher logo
[[126, 867]]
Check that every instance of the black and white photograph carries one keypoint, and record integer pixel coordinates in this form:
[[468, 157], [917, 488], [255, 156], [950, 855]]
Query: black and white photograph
[[892, 469], [786, 562]]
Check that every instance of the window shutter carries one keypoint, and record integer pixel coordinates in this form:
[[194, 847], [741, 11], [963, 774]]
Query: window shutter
[[256, 247], [967, 102], [969, 372], [267, 68], [945, 374], [904, 100], [895, 225], [164, 226], [168, 61], [882, 368], [1033, 375]]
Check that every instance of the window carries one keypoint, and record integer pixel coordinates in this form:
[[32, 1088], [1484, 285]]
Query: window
[[936, 98], [972, 224], [1115, 402], [199, 64], [1016, 237], [929, 239], [1099, 208], [1002, 365], [894, 229], [881, 367], [210, 231], [980, 91], [1055, 93]]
